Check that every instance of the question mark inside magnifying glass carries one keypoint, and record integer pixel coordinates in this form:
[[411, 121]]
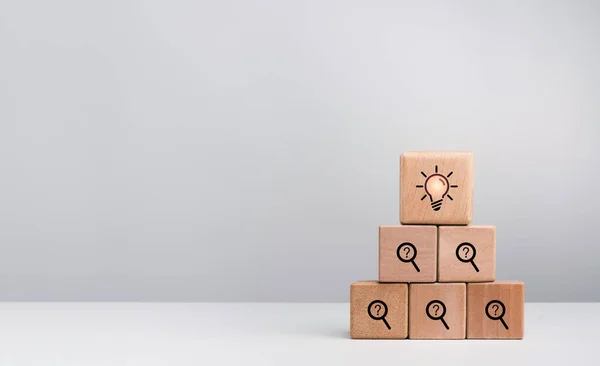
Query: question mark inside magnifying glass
[[407, 252], [378, 310], [495, 310], [466, 252], [436, 310]]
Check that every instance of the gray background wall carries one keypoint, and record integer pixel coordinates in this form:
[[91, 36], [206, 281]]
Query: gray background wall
[[248, 150]]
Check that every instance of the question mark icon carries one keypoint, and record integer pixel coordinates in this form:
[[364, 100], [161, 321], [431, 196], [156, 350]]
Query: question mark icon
[[496, 305], [434, 306], [378, 305], [410, 253], [469, 252]]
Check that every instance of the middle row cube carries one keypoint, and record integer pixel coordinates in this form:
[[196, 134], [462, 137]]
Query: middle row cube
[[415, 253]]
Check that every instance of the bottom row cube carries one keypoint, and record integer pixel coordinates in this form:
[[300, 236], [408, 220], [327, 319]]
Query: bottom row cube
[[493, 310]]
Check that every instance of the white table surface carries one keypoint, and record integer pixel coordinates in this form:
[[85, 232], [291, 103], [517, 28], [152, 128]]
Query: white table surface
[[268, 334]]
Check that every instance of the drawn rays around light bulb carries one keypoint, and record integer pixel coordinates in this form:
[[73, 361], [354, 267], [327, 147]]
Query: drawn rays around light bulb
[[436, 188]]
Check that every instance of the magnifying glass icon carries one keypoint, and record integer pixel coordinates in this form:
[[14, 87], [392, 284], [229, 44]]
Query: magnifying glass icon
[[377, 311], [466, 253], [407, 252], [495, 310], [436, 310]]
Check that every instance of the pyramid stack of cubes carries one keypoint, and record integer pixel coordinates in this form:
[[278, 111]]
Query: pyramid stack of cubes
[[437, 273]]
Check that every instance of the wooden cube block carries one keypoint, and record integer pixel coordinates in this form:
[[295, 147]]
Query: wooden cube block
[[495, 310], [437, 311], [407, 253], [378, 310], [466, 253], [436, 188]]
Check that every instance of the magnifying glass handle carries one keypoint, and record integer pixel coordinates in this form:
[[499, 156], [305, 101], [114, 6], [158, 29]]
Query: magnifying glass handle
[[475, 266], [416, 267], [386, 324], [504, 323], [444, 322]]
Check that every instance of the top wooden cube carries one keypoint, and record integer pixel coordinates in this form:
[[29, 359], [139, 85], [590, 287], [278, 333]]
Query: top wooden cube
[[436, 188]]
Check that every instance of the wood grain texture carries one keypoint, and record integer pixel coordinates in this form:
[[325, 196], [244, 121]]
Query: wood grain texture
[[512, 296], [395, 298], [452, 295], [418, 264], [422, 188], [465, 269]]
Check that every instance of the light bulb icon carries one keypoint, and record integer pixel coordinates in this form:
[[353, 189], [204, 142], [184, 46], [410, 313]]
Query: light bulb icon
[[436, 188]]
